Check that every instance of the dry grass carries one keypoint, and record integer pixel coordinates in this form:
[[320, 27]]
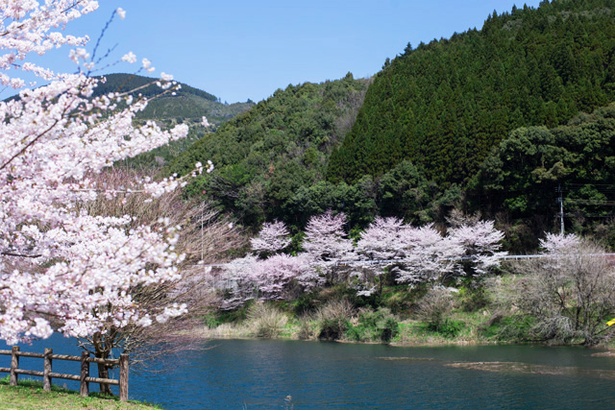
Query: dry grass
[[266, 321]]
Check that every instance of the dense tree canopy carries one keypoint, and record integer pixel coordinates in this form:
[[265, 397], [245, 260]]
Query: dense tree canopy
[[445, 104], [524, 175], [267, 155]]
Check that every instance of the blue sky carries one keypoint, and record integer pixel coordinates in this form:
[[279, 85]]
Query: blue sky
[[240, 49]]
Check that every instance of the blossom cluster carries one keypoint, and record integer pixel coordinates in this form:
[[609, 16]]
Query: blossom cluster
[[412, 254], [60, 267]]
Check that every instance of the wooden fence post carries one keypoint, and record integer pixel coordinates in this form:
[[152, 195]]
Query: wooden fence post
[[47, 362], [123, 377], [14, 365], [84, 388]]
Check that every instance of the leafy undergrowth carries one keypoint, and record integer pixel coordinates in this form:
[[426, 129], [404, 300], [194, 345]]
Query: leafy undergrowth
[[29, 395], [337, 322]]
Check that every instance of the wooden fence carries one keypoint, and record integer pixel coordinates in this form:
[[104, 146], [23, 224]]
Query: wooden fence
[[84, 377]]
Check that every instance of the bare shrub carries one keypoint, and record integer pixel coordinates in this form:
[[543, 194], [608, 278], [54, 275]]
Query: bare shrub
[[435, 307], [571, 293], [308, 328], [333, 319], [266, 321], [458, 218]]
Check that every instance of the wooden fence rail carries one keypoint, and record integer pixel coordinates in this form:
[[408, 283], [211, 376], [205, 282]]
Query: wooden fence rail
[[84, 376]]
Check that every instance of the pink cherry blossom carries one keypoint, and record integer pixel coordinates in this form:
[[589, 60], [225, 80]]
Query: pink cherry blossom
[[272, 238], [560, 243], [60, 267]]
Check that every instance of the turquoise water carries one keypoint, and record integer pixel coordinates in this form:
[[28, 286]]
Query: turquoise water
[[259, 374]]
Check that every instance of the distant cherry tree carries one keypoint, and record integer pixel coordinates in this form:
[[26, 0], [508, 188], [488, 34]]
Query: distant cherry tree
[[481, 243], [429, 257], [380, 245], [281, 277], [415, 255], [410, 255], [326, 244], [559, 243], [237, 282], [383, 239], [272, 238]]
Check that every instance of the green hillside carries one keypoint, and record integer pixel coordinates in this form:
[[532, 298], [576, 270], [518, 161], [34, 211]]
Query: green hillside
[[533, 167], [265, 157], [444, 105]]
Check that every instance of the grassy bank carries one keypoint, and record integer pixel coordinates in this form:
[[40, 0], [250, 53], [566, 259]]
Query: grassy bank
[[494, 313], [29, 395], [341, 321]]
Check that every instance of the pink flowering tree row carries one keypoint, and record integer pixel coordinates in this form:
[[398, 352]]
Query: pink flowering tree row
[[62, 268], [412, 255]]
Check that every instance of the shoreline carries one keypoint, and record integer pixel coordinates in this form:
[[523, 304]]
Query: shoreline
[[240, 333]]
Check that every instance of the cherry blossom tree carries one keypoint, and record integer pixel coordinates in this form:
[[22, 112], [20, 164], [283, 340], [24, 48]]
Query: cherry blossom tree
[[429, 257], [481, 243], [206, 237], [279, 277], [380, 245], [282, 277], [62, 268], [267, 275], [326, 244], [411, 255], [237, 282], [559, 243], [272, 238], [417, 255], [383, 239]]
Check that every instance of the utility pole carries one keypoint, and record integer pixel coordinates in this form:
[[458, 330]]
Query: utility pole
[[561, 207]]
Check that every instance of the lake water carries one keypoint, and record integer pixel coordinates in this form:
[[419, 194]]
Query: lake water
[[258, 374]]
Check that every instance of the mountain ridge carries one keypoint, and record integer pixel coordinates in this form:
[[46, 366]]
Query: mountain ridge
[[188, 104]]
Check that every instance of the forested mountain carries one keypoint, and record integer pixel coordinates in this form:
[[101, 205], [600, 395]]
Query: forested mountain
[[444, 105], [489, 121], [534, 166]]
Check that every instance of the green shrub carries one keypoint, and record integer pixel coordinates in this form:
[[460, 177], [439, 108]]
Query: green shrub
[[211, 320], [434, 307], [379, 325], [448, 328], [472, 298], [399, 299], [333, 329], [515, 328], [308, 329]]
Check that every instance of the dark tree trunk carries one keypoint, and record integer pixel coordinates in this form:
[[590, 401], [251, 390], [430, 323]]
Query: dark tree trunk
[[103, 372], [102, 350]]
